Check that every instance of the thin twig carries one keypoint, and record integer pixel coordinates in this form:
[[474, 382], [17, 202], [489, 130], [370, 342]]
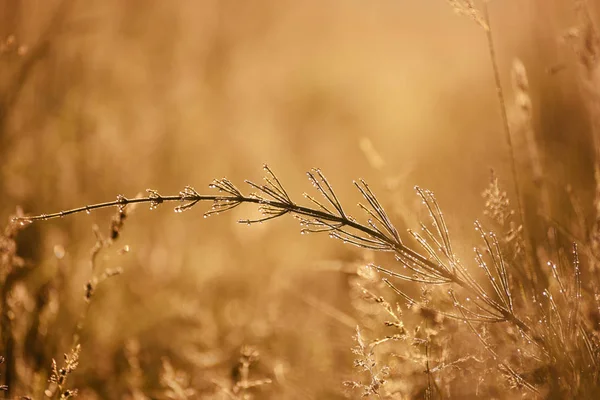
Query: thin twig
[[378, 234]]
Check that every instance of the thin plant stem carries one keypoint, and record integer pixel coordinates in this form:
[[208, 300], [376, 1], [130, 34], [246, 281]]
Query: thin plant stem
[[503, 111], [273, 202], [529, 253]]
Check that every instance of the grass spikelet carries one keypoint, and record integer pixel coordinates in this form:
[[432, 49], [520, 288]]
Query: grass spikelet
[[60, 375]]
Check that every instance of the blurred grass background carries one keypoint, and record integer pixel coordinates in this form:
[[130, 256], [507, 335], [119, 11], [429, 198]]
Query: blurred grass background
[[110, 97]]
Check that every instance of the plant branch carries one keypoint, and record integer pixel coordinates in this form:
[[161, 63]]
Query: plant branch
[[328, 216]]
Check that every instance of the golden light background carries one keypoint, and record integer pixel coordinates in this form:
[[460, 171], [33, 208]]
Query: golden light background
[[114, 97]]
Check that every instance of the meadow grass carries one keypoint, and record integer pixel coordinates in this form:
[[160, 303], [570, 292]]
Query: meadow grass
[[518, 317]]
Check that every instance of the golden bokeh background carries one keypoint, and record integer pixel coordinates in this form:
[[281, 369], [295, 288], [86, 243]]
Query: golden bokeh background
[[112, 97]]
